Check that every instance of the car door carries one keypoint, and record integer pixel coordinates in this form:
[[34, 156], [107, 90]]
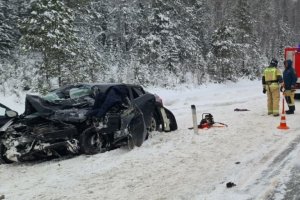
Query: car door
[[145, 101]]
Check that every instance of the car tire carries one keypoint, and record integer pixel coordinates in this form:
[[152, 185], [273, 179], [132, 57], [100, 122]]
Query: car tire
[[173, 123], [91, 142], [154, 123], [130, 142]]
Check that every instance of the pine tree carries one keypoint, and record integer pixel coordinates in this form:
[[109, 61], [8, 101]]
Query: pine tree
[[8, 33], [246, 40], [223, 51], [243, 21], [191, 17], [90, 61], [48, 29]]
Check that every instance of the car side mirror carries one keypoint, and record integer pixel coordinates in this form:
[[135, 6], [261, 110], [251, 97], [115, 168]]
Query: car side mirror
[[11, 113]]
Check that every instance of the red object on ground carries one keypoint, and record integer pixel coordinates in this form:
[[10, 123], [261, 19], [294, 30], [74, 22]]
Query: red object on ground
[[283, 120]]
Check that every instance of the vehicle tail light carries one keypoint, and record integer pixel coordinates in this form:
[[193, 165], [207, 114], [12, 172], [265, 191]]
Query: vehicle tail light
[[158, 99]]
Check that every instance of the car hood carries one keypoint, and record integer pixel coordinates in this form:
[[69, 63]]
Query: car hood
[[37, 105]]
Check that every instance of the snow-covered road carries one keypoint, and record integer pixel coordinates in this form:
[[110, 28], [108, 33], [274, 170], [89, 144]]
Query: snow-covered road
[[251, 152]]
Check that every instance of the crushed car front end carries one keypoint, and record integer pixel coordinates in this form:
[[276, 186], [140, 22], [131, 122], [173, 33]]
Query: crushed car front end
[[57, 125]]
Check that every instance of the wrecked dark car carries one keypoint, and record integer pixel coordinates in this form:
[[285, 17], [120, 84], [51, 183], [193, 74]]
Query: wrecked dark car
[[82, 118]]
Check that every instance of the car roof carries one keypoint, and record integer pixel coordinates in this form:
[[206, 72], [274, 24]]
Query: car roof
[[102, 86], [108, 84]]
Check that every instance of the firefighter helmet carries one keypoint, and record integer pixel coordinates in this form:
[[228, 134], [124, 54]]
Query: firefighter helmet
[[274, 62]]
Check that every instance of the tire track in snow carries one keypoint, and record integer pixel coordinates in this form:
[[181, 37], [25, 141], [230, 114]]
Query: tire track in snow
[[268, 176], [293, 185]]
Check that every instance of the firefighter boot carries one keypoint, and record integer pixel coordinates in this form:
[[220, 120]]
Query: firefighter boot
[[291, 110]]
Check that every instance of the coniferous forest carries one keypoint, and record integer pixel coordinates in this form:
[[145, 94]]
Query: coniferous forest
[[49, 43]]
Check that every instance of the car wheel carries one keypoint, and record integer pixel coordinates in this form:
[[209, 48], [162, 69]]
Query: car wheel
[[154, 123], [91, 142], [130, 142]]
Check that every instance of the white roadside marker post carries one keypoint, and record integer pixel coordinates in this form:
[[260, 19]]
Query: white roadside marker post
[[194, 119]]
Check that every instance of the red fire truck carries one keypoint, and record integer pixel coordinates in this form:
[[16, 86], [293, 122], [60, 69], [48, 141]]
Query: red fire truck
[[293, 53]]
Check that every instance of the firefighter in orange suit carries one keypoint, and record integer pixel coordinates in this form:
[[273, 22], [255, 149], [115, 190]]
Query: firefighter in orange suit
[[272, 81]]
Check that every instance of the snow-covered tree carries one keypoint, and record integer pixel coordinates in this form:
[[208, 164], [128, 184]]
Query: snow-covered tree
[[222, 61], [156, 42], [247, 53], [8, 33], [242, 21], [48, 29], [193, 41]]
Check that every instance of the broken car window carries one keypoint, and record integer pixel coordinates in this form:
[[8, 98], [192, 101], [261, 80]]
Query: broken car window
[[79, 92], [52, 96], [68, 93]]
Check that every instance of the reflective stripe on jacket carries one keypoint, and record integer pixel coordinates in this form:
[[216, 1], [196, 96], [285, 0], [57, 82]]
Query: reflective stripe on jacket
[[271, 75]]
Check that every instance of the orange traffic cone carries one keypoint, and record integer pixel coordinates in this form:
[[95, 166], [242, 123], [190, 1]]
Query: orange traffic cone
[[282, 120]]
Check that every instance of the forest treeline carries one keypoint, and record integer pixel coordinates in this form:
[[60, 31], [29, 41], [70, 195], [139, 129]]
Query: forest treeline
[[49, 43]]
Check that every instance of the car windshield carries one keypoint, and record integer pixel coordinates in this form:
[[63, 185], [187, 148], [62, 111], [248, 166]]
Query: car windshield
[[79, 92], [52, 96], [73, 93]]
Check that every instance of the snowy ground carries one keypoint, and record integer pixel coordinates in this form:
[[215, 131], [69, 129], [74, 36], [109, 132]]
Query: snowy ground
[[251, 152]]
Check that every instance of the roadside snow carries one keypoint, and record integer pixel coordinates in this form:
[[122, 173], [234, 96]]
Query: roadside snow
[[251, 152]]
